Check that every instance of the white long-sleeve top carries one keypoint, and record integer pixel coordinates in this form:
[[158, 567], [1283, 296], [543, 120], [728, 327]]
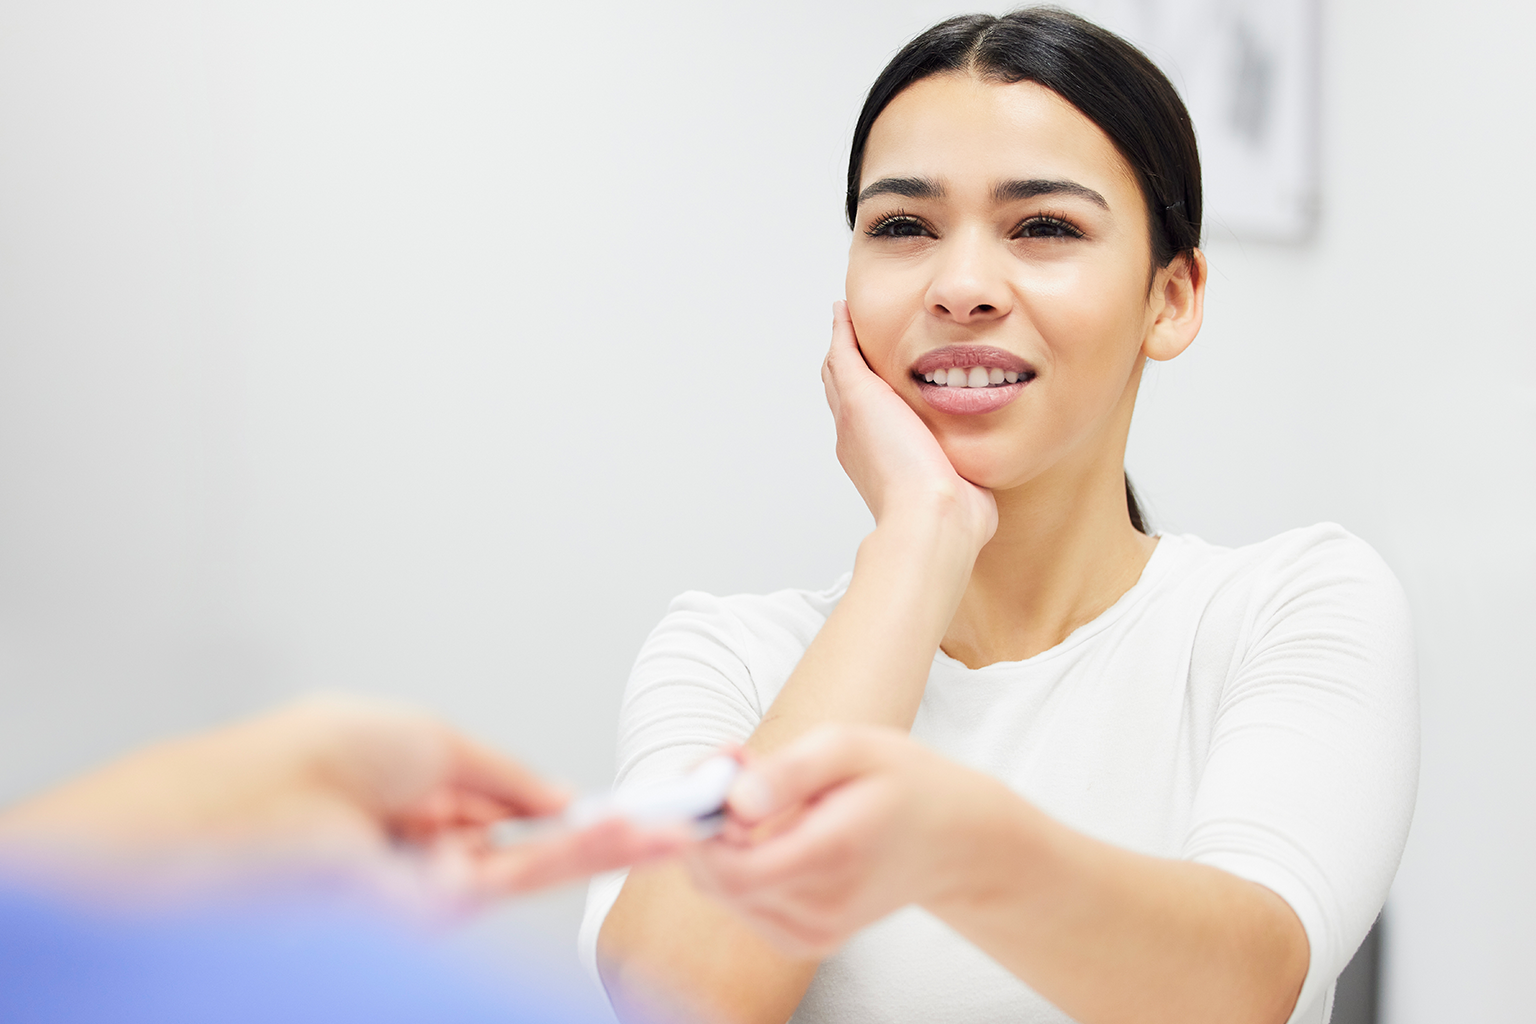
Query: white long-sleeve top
[[1254, 709]]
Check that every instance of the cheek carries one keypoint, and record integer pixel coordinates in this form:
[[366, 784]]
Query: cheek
[[1091, 324], [882, 307]]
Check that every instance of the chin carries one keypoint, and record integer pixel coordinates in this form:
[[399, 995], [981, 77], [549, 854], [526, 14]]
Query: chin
[[985, 465]]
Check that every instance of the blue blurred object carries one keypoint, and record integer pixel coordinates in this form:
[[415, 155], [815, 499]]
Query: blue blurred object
[[62, 963]]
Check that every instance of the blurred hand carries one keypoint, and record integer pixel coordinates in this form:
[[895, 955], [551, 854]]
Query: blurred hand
[[887, 451], [837, 830], [383, 795]]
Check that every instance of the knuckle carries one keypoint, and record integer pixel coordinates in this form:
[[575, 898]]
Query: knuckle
[[730, 883]]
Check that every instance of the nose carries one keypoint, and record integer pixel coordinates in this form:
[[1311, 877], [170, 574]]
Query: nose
[[968, 286]]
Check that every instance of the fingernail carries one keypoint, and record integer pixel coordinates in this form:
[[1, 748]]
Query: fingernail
[[750, 797]]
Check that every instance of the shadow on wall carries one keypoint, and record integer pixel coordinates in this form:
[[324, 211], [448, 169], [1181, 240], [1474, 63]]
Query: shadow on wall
[[1356, 999]]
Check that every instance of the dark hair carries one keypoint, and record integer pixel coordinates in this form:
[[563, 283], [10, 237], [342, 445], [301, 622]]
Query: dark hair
[[1111, 82]]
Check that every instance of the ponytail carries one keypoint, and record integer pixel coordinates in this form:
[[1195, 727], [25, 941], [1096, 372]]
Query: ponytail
[[1134, 506]]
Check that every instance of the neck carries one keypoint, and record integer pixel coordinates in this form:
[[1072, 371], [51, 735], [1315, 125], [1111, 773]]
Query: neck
[[1064, 551]]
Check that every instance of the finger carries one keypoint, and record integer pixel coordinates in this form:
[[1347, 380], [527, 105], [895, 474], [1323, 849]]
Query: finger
[[799, 772], [735, 872], [830, 390], [447, 809], [798, 896], [737, 752], [561, 860], [827, 381], [607, 845], [846, 371], [471, 808], [723, 874], [490, 774], [827, 840], [844, 355]]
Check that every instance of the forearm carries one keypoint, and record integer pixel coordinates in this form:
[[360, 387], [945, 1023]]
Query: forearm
[[1113, 936], [870, 661], [666, 952], [666, 947], [172, 793]]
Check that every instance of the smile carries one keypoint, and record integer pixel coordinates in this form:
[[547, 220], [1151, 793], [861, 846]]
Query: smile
[[968, 380], [971, 377]]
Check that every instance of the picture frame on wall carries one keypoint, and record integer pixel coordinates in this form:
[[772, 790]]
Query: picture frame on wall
[[1248, 71]]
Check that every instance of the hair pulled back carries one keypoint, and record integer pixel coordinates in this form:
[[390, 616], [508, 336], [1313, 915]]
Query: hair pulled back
[[1110, 81]]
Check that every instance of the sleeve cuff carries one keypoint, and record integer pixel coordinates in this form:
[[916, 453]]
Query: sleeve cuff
[[602, 892], [1315, 1003]]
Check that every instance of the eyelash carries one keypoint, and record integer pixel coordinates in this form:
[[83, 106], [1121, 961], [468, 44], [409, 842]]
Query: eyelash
[[881, 228], [1054, 220]]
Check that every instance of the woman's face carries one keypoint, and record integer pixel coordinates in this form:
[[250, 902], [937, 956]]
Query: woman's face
[[1001, 240]]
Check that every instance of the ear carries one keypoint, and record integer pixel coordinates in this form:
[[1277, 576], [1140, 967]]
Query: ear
[[1176, 305]]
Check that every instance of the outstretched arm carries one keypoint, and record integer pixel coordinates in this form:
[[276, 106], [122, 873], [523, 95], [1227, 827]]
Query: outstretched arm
[[664, 947], [380, 792], [1108, 935]]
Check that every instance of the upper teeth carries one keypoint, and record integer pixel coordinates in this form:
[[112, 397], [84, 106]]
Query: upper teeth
[[971, 377]]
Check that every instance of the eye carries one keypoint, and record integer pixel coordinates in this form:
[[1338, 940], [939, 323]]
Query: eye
[[899, 225], [1046, 226]]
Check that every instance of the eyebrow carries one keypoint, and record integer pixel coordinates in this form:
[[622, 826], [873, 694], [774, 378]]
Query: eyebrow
[[911, 188], [1002, 192], [1011, 191]]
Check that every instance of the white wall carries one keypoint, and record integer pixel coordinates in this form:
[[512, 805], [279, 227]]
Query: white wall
[[428, 349]]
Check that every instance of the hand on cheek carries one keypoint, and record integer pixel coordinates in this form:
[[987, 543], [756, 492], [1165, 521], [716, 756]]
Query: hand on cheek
[[832, 833], [887, 451]]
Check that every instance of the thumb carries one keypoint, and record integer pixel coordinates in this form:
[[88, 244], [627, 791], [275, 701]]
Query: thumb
[[819, 761]]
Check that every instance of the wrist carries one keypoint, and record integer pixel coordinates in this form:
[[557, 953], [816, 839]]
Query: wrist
[[933, 537], [940, 513], [914, 568], [917, 563]]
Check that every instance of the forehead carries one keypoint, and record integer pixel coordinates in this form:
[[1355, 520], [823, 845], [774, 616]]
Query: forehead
[[969, 133]]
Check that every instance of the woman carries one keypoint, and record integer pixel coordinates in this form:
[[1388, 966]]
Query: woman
[[1147, 779]]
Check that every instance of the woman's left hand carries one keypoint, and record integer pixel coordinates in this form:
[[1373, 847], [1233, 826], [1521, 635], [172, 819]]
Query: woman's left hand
[[839, 829], [849, 823]]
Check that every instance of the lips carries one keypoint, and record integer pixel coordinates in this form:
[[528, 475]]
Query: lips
[[969, 380], [964, 356]]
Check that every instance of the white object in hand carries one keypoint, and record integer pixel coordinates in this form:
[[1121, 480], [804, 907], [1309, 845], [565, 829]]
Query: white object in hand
[[697, 797]]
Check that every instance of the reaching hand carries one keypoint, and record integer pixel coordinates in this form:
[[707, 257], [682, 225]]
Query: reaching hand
[[840, 828], [389, 796], [887, 451]]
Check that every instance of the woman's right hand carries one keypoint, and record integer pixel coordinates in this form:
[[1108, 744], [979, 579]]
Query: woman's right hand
[[665, 943], [887, 451]]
